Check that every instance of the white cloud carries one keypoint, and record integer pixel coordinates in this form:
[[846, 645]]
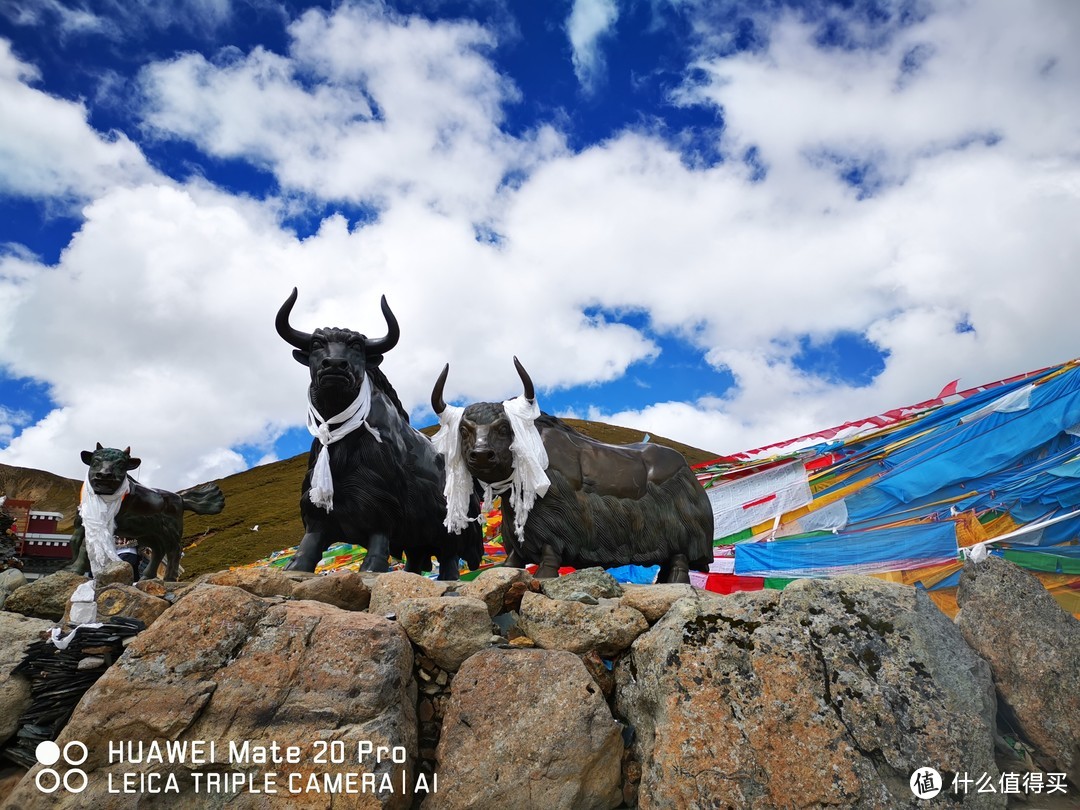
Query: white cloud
[[117, 19], [589, 24], [155, 327], [367, 107], [47, 147]]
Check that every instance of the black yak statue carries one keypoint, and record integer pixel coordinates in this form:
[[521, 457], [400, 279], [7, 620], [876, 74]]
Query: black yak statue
[[569, 500], [372, 479], [113, 504]]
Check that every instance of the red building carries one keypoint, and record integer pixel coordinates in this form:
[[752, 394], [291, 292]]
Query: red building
[[40, 546]]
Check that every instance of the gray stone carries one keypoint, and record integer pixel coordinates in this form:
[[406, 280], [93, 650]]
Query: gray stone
[[17, 633], [1033, 647], [557, 624], [12, 579], [594, 581], [447, 630], [832, 691], [538, 729], [47, 597]]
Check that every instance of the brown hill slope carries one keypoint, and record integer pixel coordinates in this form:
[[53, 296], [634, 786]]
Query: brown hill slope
[[266, 496]]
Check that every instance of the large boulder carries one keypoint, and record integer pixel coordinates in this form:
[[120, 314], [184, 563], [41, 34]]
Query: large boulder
[[47, 597], [555, 624], [446, 629], [1033, 647], [393, 588], [226, 666], [17, 633], [834, 692], [538, 728]]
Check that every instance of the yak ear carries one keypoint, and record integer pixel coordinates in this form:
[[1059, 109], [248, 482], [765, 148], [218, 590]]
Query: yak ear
[[301, 357], [87, 457], [133, 463]]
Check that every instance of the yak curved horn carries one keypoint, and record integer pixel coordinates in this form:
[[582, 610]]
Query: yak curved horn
[[294, 337], [438, 404], [385, 344], [530, 392]]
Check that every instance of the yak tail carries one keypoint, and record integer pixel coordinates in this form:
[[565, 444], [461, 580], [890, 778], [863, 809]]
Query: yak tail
[[205, 499]]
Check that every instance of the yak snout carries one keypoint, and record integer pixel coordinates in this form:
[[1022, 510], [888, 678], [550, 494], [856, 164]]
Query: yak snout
[[481, 456]]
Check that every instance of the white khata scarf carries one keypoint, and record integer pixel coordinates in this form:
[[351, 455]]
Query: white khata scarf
[[530, 460], [322, 483], [98, 514]]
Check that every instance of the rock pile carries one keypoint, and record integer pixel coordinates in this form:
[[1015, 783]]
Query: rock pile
[[580, 693]]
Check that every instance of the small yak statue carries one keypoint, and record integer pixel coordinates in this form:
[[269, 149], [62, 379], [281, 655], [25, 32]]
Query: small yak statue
[[114, 504], [569, 500]]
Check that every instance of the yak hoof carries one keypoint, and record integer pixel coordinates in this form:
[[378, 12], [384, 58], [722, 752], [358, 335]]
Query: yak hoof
[[679, 572], [549, 564], [375, 565]]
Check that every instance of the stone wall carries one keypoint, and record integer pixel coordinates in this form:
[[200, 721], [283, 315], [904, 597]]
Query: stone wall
[[575, 693]]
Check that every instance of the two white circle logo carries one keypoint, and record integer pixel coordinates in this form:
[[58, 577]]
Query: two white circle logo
[[48, 779]]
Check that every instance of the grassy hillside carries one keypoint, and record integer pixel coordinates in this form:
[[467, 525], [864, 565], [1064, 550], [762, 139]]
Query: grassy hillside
[[266, 496]]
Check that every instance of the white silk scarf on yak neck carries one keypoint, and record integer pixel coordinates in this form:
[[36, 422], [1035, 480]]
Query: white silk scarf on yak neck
[[353, 417], [98, 514]]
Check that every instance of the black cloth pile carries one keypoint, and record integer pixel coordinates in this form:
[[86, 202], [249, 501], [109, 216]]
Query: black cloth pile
[[58, 682]]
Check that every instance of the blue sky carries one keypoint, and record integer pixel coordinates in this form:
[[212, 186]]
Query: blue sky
[[729, 223]]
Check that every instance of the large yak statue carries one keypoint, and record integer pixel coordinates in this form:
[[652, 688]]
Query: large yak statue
[[601, 504], [372, 479], [152, 517]]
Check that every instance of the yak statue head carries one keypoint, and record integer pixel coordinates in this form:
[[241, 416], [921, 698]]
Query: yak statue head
[[108, 468], [338, 359], [485, 432]]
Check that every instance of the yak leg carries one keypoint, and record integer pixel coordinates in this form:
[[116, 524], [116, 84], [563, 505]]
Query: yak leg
[[414, 564], [157, 554], [377, 559], [309, 554], [549, 563], [677, 570], [172, 567], [80, 563], [449, 565]]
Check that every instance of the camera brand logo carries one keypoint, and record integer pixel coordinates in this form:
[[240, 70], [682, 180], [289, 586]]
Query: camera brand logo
[[48, 779]]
